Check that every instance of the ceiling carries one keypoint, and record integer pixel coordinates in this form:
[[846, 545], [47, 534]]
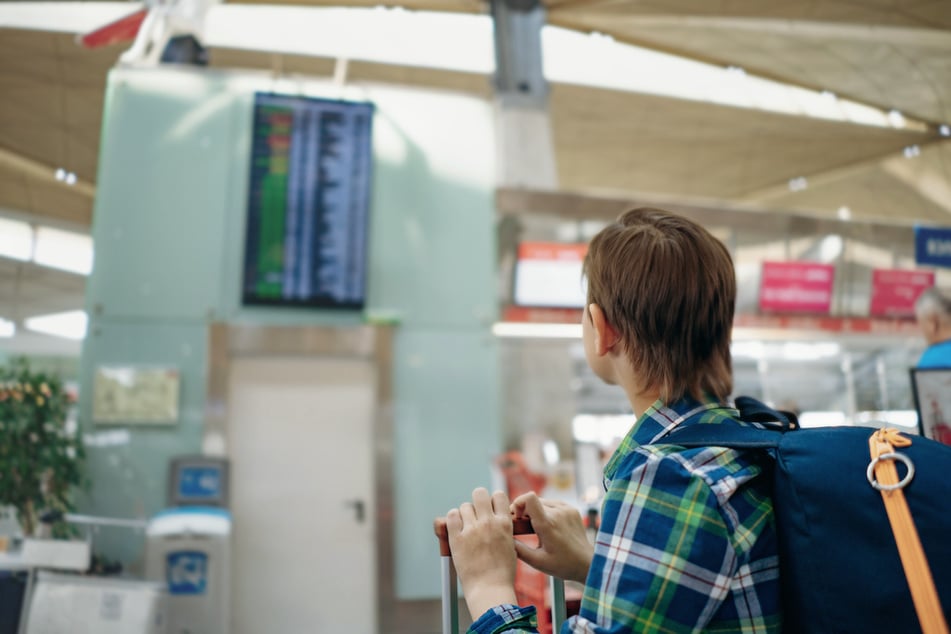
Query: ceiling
[[891, 54]]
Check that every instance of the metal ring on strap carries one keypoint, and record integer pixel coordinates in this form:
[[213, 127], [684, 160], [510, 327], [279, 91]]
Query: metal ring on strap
[[870, 473]]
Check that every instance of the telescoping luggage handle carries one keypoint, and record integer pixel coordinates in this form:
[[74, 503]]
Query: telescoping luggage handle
[[450, 592]]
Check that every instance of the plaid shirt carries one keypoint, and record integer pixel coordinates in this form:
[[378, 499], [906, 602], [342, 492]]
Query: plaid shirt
[[687, 541]]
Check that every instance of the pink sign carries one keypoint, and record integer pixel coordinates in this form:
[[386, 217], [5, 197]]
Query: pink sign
[[894, 291], [796, 287]]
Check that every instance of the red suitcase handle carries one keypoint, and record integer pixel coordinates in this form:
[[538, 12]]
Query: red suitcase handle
[[520, 526]]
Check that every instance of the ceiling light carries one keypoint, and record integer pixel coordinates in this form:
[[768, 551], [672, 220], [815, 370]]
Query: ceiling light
[[896, 119], [69, 325], [64, 250], [71, 178], [911, 151], [881, 418], [16, 239], [844, 213], [536, 331], [736, 70], [60, 174], [802, 351], [601, 429], [7, 328], [748, 349], [944, 130], [830, 248], [822, 419], [798, 184], [828, 95]]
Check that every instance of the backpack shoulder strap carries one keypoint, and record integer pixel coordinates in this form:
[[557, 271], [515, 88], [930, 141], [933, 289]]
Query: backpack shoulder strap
[[729, 435], [734, 435], [754, 411]]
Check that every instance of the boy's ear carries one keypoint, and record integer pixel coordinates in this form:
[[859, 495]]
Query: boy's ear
[[605, 336]]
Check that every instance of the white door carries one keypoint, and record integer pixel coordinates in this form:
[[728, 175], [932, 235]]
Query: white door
[[299, 433]]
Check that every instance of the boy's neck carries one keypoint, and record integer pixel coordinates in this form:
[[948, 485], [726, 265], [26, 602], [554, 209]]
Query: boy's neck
[[641, 401], [639, 397]]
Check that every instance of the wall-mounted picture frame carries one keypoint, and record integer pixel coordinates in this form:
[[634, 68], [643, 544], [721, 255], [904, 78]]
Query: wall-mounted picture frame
[[136, 395], [931, 388]]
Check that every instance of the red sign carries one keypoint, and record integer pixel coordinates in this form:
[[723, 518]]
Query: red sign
[[796, 287], [895, 291], [542, 315], [557, 251]]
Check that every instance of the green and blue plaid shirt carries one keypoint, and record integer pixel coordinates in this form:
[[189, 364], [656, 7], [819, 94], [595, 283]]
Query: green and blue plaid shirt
[[687, 541]]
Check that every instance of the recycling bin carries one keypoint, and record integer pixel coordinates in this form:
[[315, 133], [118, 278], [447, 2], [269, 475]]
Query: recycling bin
[[188, 549]]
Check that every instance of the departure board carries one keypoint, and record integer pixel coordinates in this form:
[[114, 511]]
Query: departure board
[[308, 202]]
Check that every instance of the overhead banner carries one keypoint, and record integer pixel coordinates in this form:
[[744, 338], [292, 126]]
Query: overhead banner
[[933, 246], [894, 291], [796, 287]]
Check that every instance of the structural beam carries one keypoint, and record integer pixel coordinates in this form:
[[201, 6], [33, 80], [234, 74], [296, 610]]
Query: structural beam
[[43, 172], [827, 176], [581, 206], [924, 176], [871, 33], [523, 127]]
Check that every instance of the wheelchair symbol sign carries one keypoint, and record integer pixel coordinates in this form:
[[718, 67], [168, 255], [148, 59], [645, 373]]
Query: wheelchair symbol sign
[[187, 572]]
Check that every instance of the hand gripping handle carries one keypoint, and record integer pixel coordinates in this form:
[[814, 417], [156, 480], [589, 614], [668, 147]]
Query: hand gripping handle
[[520, 526], [450, 618]]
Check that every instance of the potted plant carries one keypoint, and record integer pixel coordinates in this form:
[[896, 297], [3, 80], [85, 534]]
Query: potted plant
[[41, 458]]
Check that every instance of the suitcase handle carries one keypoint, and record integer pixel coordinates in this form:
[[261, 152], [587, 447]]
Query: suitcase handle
[[520, 526], [450, 610]]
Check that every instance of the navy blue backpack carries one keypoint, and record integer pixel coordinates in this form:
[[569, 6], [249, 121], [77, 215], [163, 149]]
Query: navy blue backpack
[[839, 563]]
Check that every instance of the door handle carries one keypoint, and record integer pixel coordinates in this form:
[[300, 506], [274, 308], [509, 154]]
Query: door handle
[[359, 509]]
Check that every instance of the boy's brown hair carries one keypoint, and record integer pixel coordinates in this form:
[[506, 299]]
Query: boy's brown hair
[[668, 288]]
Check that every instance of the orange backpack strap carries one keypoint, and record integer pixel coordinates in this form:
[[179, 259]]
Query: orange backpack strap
[[883, 475]]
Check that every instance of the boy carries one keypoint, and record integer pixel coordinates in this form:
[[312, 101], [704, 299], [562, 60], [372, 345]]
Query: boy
[[687, 539]]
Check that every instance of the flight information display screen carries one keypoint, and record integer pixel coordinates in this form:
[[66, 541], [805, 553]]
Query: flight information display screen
[[308, 202]]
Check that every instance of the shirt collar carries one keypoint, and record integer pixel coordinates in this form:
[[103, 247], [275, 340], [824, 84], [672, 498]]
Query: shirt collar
[[661, 419]]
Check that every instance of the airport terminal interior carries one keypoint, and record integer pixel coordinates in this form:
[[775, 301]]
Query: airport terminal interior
[[281, 282]]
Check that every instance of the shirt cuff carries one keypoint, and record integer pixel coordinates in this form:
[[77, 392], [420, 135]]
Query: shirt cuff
[[504, 618]]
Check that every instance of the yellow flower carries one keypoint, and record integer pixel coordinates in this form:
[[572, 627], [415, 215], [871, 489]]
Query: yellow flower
[[40, 400]]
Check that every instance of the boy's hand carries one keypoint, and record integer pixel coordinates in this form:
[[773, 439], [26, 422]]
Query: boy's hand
[[483, 550], [563, 547]]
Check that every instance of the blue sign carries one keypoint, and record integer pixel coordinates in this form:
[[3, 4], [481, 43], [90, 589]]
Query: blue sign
[[933, 246], [199, 483], [186, 572]]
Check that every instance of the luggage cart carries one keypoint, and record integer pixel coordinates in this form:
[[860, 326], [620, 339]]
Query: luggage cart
[[450, 589]]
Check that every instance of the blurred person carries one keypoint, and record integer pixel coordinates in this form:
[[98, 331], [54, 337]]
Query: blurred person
[[933, 312], [687, 540]]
